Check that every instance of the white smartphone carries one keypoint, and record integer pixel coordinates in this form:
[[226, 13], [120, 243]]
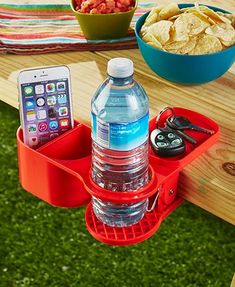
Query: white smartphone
[[45, 104]]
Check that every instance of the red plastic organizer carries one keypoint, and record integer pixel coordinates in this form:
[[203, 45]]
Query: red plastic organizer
[[59, 173]]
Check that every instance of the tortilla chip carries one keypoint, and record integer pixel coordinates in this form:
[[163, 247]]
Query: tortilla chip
[[161, 30], [168, 11], [224, 32], [207, 44], [153, 16]]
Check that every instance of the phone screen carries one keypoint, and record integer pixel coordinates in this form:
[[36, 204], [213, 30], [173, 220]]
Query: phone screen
[[46, 110]]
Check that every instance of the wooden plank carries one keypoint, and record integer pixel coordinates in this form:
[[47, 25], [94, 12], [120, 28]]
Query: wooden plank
[[86, 76], [210, 186], [233, 281], [204, 182]]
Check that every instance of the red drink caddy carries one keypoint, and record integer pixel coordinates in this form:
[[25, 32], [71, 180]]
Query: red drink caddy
[[59, 173]]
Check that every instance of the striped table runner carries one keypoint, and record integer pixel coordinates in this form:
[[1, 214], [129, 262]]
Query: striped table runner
[[37, 29]]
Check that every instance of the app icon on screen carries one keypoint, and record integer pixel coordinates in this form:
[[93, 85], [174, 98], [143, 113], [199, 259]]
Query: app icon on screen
[[31, 116], [32, 128], [41, 114], [54, 135], [60, 86], [64, 124], [29, 104], [51, 100], [53, 125], [52, 113], [62, 99], [40, 102], [63, 111], [42, 127], [44, 139], [33, 141], [28, 91], [50, 88], [39, 89]]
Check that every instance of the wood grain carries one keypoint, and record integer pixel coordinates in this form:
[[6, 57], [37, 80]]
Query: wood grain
[[205, 182]]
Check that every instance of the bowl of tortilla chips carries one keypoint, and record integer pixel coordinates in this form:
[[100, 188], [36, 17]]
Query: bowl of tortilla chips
[[187, 43]]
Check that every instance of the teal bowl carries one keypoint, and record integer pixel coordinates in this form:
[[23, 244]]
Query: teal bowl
[[185, 69]]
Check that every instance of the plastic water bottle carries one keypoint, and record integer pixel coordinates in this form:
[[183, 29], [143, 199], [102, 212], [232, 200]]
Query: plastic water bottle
[[120, 113]]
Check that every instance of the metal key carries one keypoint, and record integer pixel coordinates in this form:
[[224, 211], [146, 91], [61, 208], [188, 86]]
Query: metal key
[[182, 123], [184, 135], [180, 132]]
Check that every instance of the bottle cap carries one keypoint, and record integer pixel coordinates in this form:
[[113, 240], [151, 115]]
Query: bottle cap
[[120, 68]]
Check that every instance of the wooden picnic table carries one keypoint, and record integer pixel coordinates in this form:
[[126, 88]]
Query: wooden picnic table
[[209, 181]]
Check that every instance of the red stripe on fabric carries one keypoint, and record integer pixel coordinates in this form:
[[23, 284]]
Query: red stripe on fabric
[[31, 18], [35, 12], [40, 35]]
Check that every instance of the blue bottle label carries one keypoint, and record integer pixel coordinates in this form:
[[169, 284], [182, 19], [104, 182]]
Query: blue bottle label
[[121, 137]]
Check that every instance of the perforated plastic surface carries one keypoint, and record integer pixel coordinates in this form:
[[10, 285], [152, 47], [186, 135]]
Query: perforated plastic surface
[[128, 235]]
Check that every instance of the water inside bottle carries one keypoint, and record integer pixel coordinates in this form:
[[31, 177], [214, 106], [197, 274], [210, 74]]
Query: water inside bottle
[[120, 147]]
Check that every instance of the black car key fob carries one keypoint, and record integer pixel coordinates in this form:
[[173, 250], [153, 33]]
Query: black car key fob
[[166, 143]]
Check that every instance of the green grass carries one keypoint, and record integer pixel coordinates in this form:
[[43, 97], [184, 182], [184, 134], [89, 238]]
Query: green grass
[[41, 245]]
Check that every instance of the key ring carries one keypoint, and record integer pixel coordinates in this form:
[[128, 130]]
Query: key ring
[[166, 142], [162, 112]]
